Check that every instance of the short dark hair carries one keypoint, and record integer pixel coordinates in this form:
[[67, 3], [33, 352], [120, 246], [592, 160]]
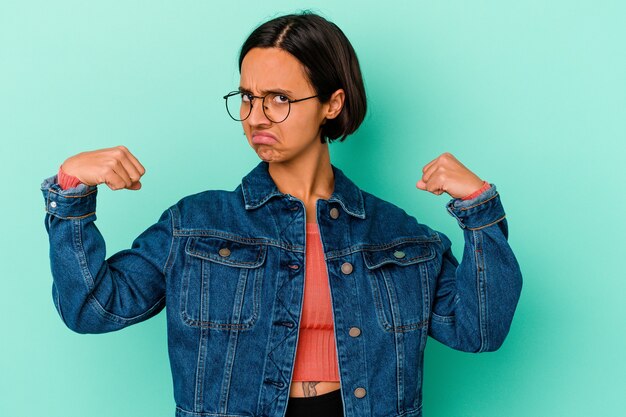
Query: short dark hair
[[328, 59]]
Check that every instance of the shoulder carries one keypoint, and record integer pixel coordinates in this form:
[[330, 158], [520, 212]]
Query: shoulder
[[391, 220], [209, 204]]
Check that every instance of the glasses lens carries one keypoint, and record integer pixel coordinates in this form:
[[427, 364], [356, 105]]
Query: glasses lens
[[276, 107], [238, 106]]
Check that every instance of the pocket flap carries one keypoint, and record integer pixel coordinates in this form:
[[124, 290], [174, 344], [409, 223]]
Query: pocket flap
[[226, 252], [406, 253]]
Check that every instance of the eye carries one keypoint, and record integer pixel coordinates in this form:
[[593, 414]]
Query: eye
[[281, 99], [246, 97]]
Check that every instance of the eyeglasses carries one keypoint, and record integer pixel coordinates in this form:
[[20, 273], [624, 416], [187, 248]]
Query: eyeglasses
[[276, 106]]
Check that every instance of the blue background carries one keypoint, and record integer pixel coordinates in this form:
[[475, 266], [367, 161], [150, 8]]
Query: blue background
[[529, 95]]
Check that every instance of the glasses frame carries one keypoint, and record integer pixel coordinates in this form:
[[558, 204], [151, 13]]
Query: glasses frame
[[252, 97]]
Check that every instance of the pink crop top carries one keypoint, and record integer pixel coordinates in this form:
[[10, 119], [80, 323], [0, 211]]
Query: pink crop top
[[316, 357]]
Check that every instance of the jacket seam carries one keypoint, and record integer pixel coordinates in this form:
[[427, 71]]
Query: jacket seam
[[169, 255], [481, 289], [50, 190], [486, 225], [71, 217]]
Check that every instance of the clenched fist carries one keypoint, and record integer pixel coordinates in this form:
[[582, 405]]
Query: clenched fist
[[446, 174], [116, 167]]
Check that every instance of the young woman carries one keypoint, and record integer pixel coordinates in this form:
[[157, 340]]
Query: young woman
[[297, 292]]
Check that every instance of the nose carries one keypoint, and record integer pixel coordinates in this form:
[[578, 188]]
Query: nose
[[257, 115]]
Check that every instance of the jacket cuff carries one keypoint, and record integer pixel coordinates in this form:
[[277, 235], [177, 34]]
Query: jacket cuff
[[76, 202], [479, 212]]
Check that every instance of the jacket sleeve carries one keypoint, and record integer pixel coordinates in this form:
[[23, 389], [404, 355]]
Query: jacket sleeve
[[475, 300], [93, 294]]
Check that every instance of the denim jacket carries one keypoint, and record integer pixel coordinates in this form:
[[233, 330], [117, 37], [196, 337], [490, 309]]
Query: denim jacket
[[228, 267]]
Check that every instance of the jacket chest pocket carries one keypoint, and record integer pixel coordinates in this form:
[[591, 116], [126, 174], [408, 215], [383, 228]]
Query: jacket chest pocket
[[221, 283], [399, 280]]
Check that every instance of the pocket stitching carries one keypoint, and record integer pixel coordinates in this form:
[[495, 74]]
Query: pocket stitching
[[249, 267]]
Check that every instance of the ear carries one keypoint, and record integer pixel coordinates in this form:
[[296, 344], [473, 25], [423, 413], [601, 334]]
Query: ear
[[335, 104]]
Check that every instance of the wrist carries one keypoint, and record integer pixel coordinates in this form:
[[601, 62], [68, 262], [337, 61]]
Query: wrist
[[476, 193]]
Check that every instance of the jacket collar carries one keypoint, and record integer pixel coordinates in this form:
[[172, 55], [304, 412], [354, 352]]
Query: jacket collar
[[258, 187]]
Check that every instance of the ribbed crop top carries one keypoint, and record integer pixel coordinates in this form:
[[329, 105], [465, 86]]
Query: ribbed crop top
[[316, 356]]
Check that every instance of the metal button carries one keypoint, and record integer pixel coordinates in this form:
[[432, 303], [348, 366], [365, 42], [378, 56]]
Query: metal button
[[354, 332], [399, 254], [334, 213], [53, 204], [359, 392], [347, 268], [224, 252]]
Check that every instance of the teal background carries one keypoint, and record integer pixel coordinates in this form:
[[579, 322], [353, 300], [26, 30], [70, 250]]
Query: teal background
[[529, 95]]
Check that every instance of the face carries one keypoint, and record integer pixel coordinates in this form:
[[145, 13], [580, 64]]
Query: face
[[265, 70]]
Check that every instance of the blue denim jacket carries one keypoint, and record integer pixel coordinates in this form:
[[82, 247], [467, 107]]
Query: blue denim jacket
[[228, 266]]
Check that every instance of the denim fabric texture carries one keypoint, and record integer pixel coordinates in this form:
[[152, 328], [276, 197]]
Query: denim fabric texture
[[228, 268]]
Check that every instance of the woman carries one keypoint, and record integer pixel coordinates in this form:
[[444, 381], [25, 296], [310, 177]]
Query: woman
[[297, 292]]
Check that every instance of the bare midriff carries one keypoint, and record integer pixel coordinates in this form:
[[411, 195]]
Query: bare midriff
[[312, 388]]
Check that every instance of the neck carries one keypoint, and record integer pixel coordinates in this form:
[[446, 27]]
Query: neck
[[307, 178]]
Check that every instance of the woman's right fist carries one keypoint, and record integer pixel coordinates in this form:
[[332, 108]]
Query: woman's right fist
[[116, 167]]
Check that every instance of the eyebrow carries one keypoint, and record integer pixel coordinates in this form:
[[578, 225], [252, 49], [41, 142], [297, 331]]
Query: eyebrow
[[272, 90]]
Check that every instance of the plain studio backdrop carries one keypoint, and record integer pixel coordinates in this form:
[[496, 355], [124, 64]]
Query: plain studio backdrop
[[529, 95]]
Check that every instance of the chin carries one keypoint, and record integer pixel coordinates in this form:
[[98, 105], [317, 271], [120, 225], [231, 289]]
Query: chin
[[268, 154]]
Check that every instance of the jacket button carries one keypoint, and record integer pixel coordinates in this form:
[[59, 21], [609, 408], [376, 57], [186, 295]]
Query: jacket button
[[354, 332], [53, 204], [224, 252], [334, 213], [359, 392], [346, 268], [399, 254]]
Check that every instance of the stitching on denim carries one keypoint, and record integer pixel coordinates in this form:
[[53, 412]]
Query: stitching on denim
[[347, 210], [70, 217], [260, 258], [219, 325], [167, 260], [380, 309], [367, 247], [487, 225], [201, 414], [478, 204], [79, 249], [378, 305], [410, 411], [480, 288], [200, 371], [239, 239], [72, 196], [400, 262]]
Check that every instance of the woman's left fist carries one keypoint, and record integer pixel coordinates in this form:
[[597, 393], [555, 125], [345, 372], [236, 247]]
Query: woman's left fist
[[447, 174]]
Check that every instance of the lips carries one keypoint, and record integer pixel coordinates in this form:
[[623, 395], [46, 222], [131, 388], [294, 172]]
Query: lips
[[263, 138]]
